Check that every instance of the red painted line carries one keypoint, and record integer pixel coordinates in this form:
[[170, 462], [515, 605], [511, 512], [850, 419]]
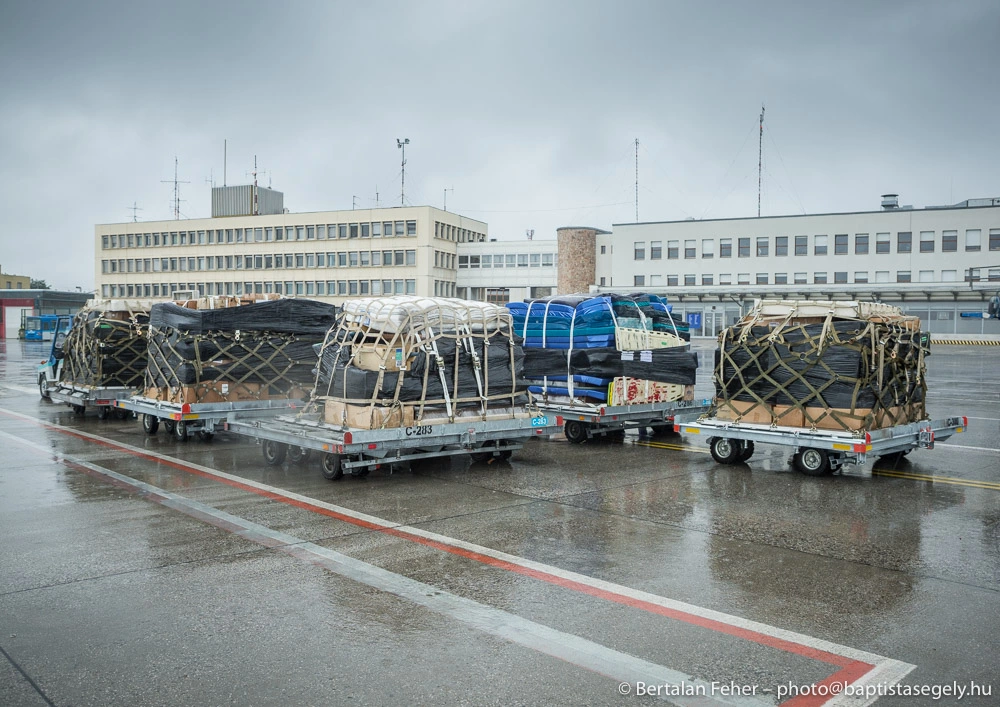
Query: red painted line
[[850, 669], [846, 675]]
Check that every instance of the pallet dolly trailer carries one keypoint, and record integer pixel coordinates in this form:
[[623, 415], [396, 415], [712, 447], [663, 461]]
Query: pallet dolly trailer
[[82, 397], [821, 452], [582, 422], [181, 420], [359, 451]]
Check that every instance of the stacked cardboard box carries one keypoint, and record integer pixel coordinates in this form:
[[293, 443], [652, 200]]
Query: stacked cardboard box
[[835, 365]]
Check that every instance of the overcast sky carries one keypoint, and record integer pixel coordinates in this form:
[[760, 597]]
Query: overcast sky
[[528, 110]]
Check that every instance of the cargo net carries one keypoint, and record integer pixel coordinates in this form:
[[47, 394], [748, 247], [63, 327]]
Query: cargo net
[[837, 374], [106, 349], [391, 360], [258, 351]]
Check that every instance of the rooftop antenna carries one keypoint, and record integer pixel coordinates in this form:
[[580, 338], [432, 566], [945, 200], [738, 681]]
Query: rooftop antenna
[[354, 203], [211, 178], [447, 189], [177, 194], [225, 154], [401, 144], [254, 173], [376, 196], [134, 208], [530, 233], [637, 180], [760, 156]]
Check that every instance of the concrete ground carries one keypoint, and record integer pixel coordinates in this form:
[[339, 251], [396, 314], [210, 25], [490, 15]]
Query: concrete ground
[[139, 570]]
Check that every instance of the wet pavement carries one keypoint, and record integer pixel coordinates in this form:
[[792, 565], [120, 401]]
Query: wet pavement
[[140, 570]]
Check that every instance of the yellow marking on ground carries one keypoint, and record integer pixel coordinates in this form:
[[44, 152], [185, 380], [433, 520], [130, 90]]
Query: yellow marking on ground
[[913, 476], [675, 447]]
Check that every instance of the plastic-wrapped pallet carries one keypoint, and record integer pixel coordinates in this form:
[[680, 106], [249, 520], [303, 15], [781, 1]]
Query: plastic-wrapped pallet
[[825, 365], [404, 360], [254, 351], [106, 346], [576, 347]]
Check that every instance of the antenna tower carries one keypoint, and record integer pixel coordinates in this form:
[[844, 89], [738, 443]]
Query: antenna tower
[[401, 144], [447, 189], [637, 180], [254, 173], [760, 156], [177, 193], [134, 208], [530, 233]]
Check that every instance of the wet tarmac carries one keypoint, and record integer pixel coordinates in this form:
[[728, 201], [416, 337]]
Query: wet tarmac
[[139, 570]]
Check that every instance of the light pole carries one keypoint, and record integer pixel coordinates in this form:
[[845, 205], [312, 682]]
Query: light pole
[[401, 144]]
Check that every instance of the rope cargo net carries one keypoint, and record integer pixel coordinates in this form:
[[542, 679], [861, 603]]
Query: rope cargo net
[[822, 371], [420, 358], [106, 346]]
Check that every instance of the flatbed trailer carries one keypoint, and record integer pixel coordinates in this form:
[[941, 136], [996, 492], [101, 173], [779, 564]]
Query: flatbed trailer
[[583, 421], [82, 397], [359, 451], [202, 419], [819, 452]]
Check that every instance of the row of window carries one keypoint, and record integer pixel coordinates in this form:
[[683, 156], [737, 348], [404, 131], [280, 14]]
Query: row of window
[[510, 260], [862, 245], [801, 278], [444, 288], [447, 232], [444, 260], [322, 288], [266, 234], [351, 259]]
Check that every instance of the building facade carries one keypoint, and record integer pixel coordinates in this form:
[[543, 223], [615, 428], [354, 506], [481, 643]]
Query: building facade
[[937, 262], [328, 255], [506, 271], [14, 282]]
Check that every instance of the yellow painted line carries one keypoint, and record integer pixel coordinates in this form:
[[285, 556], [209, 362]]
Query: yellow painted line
[[912, 476], [675, 447]]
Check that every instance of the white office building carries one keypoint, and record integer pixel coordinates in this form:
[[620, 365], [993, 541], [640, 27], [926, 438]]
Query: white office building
[[506, 271]]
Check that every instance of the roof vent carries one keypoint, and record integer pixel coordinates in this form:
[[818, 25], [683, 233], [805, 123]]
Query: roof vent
[[890, 202]]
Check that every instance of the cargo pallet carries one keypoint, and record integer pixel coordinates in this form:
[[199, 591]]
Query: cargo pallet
[[359, 451], [587, 420], [82, 397], [820, 452], [202, 419]]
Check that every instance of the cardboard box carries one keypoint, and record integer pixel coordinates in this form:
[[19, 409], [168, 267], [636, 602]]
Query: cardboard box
[[366, 417], [371, 357], [634, 391], [221, 392], [748, 411]]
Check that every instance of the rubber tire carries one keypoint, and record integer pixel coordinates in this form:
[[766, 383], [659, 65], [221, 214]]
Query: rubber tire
[[170, 426], [506, 454], [332, 470], [79, 410], [150, 424], [747, 450], [812, 462], [103, 412], [122, 413], [43, 387], [575, 431], [274, 452], [297, 455], [181, 431], [205, 436], [725, 450], [480, 457]]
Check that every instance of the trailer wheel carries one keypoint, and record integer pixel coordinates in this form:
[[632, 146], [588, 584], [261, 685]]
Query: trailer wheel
[[480, 457], [331, 467], [43, 387], [103, 412], [813, 462], [747, 450], [150, 424], [122, 413], [206, 436], [725, 450], [181, 431], [297, 455], [169, 425], [576, 431], [274, 452], [506, 454]]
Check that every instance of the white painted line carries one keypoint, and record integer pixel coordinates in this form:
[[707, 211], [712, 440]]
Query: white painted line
[[988, 419], [510, 627], [20, 388], [967, 447], [888, 670]]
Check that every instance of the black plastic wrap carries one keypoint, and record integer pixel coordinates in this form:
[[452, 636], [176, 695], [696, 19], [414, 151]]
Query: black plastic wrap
[[672, 365], [105, 352], [283, 316]]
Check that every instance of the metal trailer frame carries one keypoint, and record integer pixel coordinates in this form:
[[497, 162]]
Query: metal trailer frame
[[358, 451], [81, 397], [584, 421], [820, 452], [205, 419]]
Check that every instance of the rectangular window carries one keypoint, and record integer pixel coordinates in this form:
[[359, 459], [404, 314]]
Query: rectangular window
[[925, 276], [352, 259], [781, 278], [689, 248], [743, 278], [706, 280], [973, 239], [882, 242], [840, 278], [411, 228], [320, 260], [673, 248], [300, 260], [840, 244], [861, 278], [354, 230], [725, 247], [386, 231], [639, 250], [904, 242], [638, 280], [535, 260], [762, 278], [819, 245], [654, 280], [762, 247], [744, 248], [801, 245], [949, 275], [522, 260], [364, 258], [949, 241], [365, 230], [927, 241], [781, 246], [726, 278], [995, 239], [800, 278], [377, 259], [411, 257], [671, 281], [707, 248], [604, 250], [377, 229], [881, 276], [655, 250], [903, 276], [819, 278], [399, 232], [689, 280], [861, 244], [548, 260], [310, 260]]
